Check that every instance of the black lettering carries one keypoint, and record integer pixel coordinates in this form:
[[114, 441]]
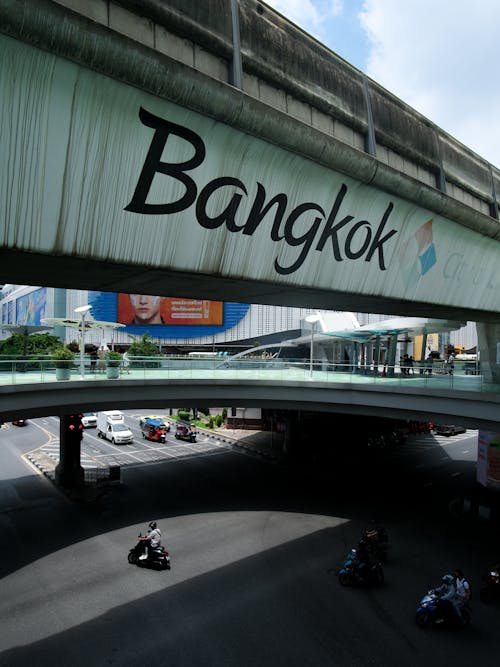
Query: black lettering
[[452, 266], [258, 212], [227, 215], [329, 230], [153, 164], [349, 253], [305, 240], [378, 242]]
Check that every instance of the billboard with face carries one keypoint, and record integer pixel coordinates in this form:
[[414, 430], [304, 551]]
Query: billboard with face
[[146, 309]]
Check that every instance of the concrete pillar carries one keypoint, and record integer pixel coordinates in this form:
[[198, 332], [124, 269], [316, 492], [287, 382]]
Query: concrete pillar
[[355, 358], [392, 349], [60, 311], [376, 355], [488, 342], [69, 472]]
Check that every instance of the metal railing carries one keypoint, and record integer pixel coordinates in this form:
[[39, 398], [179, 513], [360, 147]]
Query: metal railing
[[43, 370]]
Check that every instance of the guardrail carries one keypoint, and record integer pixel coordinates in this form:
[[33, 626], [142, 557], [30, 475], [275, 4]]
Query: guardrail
[[36, 370]]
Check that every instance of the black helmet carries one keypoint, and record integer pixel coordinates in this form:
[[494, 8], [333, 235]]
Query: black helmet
[[152, 525]]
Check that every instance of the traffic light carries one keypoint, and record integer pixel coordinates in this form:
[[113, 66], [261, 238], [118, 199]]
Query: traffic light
[[73, 427]]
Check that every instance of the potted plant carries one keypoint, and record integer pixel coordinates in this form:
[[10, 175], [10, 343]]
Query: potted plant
[[113, 363], [64, 360]]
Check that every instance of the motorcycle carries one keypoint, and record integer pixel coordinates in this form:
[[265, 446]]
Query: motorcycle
[[158, 558], [490, 589], [434, 611], [354, 572]]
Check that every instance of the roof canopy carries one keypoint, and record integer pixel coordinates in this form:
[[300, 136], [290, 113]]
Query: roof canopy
[[77, 323]]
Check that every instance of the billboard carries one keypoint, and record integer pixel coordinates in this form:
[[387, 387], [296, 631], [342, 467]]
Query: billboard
[[488, 459], [30, 309], [146, 309]]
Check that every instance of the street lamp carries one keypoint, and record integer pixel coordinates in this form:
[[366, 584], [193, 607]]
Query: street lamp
[[312, 319], [82, 310]]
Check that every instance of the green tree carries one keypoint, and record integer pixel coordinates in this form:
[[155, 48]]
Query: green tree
[[35, 344], [143, 348]]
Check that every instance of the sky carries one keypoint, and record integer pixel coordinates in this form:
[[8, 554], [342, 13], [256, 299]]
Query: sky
[[442, 57]]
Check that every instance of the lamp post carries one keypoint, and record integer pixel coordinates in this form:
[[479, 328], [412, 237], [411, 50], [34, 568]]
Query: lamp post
[[312, 319], [82, 310]]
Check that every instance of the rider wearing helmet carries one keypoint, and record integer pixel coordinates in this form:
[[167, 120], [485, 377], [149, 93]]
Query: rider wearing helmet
[[152, 540], [448, 592]]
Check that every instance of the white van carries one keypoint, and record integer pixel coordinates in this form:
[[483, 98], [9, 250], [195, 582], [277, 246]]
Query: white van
[[111, 426]]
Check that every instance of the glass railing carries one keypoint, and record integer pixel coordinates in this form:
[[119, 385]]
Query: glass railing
[[43, 370]]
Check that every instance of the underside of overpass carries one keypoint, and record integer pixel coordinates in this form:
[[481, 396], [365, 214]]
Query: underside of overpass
[[468, 408]]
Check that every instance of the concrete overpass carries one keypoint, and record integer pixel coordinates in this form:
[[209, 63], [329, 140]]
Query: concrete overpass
[[214, 150], [474, 407]]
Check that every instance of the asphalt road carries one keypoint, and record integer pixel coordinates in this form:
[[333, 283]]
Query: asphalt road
[[255, 549]]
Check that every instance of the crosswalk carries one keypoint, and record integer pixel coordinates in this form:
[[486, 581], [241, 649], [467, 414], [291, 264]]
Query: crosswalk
[[137, 453], [419, 443]]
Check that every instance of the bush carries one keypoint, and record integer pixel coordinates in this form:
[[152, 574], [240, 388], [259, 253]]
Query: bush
[[204, 411], [210, 422], [218, 421], [184, 414], [224, 414], [63, 357], [113, 358]]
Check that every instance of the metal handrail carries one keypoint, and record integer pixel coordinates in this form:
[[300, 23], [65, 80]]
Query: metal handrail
[[36, 370]]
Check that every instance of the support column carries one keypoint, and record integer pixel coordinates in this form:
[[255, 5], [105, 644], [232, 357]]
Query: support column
[[392, 349], [355, 358], [376, 355], [488, 342], [69, 472]]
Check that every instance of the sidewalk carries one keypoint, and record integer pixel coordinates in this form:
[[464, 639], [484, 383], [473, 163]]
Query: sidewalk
[[259, 443]]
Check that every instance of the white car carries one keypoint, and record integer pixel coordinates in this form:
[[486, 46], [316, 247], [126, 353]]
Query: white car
[[89, 420]]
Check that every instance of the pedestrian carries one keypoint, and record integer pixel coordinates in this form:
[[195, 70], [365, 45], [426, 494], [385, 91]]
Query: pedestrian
[[410, 365], [101, 356], [126, 362], [93, 359], [451, 363]]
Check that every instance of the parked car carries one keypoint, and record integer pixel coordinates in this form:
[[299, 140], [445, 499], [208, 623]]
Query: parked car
[[89, 420], [19, 422], [448, 429]]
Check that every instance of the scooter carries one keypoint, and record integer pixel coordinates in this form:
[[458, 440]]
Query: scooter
[[157, 558], [490, 589], [434, 611], [354, 572]]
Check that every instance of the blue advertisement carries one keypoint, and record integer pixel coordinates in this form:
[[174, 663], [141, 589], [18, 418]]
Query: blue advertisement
[[31, 307], [106, 306]]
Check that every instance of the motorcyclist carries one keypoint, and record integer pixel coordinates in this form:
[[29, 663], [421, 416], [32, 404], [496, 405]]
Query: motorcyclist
[[362, 557], [462, 587], [376, 540], [151, 541], [447, 592]]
